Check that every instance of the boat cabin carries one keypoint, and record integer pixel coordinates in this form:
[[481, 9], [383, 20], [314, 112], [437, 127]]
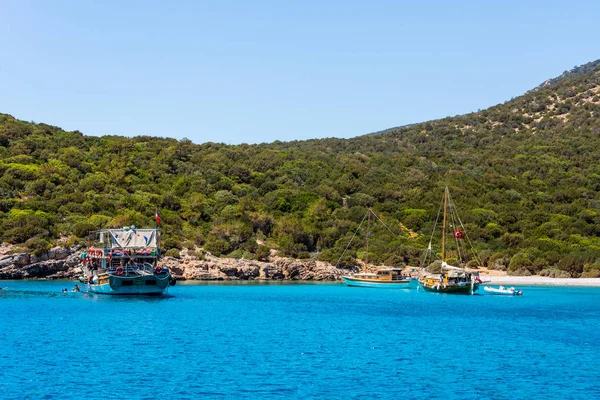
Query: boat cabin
[[384, 274]]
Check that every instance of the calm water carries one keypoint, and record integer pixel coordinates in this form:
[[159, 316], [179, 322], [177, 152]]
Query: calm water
[[322, 341]]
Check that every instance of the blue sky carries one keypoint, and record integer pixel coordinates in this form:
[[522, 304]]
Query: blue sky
[[259, 71]]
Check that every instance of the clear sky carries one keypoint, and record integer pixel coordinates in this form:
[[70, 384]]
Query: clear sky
[[259, 71]]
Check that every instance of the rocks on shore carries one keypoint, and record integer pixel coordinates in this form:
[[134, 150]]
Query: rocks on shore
[[58, 263], [278, 268], [63, 263]]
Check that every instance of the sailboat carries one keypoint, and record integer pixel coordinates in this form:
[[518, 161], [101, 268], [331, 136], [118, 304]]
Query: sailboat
[[451, 279], [385, 277]]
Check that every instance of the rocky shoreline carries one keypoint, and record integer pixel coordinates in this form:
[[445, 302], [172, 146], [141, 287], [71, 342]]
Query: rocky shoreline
[[536, 280], [63, 263], [58, 263]]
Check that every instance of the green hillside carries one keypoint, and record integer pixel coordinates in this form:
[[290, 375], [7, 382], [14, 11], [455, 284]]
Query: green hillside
[[524, 175]]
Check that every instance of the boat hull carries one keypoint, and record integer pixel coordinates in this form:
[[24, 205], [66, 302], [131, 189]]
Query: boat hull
[[454, 289], [371, 283], [151, 285], [501, 292]]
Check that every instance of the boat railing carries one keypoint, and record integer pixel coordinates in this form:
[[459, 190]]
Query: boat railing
[[134, 268]]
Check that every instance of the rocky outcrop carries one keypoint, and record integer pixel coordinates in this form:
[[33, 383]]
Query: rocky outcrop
[[278, 268], [63, 263], [58, 263]]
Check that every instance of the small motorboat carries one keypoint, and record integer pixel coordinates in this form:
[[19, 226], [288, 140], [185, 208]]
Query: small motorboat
[[511, 291]]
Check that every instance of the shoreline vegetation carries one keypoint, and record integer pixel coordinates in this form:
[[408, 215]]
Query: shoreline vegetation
[[537, 280], [524, 172], [63, 263]]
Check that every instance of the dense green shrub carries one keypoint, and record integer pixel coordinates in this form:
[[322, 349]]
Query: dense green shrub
[[263, 253], [525, 182], [173, 253], [37, 246]]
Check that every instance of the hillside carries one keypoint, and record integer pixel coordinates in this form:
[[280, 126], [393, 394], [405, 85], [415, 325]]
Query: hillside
[[572, 73], [524, 175]]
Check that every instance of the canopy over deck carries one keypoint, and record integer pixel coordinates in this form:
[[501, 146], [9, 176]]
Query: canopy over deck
[[132, 238]]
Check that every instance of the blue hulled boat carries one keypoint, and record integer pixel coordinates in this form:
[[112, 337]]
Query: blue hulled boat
[[385, 278], [125, 262]]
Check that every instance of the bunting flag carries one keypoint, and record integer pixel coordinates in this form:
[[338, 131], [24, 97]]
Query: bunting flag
[[156, 217], [458, 234]]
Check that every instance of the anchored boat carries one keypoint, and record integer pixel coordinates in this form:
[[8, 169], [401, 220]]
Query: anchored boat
[[389, 278], [385, 277], [511, 291], [125, 261], [451, 279]]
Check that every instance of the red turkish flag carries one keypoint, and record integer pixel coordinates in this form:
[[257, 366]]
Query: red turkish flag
[[458, 234]]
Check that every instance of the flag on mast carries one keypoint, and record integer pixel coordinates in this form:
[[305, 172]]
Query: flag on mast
[[156, 217]]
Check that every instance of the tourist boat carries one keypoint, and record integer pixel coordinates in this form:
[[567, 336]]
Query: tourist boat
[[384, 277], [451, 279], [511, 291], [389, 278], [125, 262]]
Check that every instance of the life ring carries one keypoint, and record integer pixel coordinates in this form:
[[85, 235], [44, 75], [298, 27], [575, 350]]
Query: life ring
[[120, 270], [158, 269]]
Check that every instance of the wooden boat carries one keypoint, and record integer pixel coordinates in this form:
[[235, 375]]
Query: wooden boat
[[125, 262], [511, 291], [388, 278], [451, 279], [385, 277]]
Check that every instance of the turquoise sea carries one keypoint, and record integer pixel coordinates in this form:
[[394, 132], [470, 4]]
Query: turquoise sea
[[298, 341]]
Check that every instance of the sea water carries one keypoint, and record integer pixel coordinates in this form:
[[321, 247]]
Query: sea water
[[298, 341]]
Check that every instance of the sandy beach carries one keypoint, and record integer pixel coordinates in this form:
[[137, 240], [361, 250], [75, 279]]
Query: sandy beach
[[538, 281]]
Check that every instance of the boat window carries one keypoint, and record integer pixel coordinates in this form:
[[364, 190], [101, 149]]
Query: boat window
[[126, 283], [150, 282]]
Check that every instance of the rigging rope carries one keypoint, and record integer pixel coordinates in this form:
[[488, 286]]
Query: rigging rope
[[376, 216], [437, 218], [454, 216], [353, 236], [469, 240]]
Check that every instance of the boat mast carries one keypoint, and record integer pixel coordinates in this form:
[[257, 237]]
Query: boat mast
[[444, 229], [367, 247]]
